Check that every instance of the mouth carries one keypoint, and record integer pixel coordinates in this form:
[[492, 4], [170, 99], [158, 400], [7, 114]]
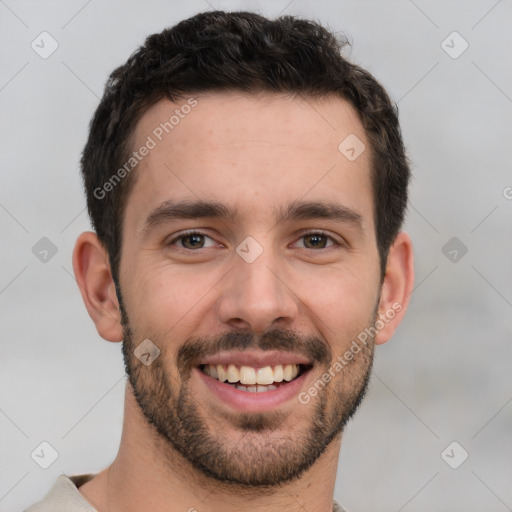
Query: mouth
[[254, 380]]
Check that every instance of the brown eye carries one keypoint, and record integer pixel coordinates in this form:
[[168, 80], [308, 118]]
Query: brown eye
[[193, 240], [317, 241]]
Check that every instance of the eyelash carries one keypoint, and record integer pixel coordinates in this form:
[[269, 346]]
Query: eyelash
[[184, 234]]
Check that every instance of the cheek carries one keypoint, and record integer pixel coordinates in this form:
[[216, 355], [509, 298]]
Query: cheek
[[164, 299], [341, 301]]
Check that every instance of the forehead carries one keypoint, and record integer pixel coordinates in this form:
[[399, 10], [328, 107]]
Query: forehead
[[255, 153]]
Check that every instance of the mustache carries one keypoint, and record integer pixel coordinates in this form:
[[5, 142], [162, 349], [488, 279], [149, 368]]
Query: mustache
[[194, 349]]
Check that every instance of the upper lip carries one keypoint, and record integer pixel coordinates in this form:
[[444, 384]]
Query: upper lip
[[256, 359]]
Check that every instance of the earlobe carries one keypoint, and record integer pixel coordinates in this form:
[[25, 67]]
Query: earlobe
[[396, 288], [94, 279]]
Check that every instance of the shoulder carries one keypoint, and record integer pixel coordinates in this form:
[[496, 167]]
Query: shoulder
[[64, 496]]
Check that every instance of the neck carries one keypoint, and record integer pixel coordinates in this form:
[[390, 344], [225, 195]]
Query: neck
[[148, 474]]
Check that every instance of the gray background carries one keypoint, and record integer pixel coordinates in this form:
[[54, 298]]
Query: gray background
[[446, 375]]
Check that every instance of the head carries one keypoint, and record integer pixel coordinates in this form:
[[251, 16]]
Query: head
[[232, 228]]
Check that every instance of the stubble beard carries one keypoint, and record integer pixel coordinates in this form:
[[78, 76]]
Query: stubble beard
[[263, 453]]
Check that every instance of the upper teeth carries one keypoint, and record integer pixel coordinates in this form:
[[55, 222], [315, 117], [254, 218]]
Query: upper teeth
[[249, 375]]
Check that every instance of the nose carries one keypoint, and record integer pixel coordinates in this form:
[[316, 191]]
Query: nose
[[257, 296]]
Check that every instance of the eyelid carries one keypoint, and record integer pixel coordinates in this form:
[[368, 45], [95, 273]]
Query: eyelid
[[339, 242], [187, 232], [336, 241]]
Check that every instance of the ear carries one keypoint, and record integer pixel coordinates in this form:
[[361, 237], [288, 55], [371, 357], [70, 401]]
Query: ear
[[396, 288], [94, 277]]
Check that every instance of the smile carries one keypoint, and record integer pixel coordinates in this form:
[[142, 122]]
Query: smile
[[251, 379]]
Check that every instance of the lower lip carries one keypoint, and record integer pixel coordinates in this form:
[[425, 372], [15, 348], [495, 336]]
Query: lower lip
[[247, 401]]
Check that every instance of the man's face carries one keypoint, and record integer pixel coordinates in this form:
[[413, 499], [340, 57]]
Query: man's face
[[249, 250]]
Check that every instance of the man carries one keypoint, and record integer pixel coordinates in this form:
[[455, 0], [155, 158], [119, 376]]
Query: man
[[247, 186]]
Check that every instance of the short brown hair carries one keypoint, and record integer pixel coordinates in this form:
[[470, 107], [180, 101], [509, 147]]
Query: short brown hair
[[239, 51]]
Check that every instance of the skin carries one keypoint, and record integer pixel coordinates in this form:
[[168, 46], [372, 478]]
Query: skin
[[255, 154]]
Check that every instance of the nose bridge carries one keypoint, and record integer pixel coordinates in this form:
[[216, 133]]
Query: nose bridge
[[255, 294]]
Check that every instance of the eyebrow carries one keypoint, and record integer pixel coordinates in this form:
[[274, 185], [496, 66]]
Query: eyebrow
[[297, 210], [177, 210], [309, 210]]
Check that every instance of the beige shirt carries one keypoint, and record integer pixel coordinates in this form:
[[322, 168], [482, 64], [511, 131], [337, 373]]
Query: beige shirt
[[65, 497]]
